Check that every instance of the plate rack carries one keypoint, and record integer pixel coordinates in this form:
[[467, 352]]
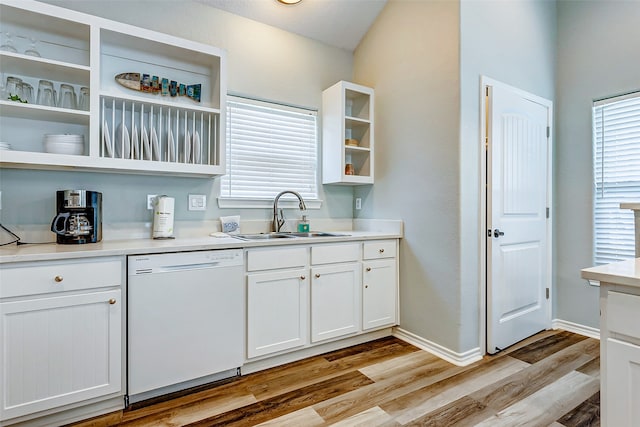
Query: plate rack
[[182, 135]]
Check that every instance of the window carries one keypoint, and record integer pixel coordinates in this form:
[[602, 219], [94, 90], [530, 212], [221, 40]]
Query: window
[[616, 148], [270, 148]]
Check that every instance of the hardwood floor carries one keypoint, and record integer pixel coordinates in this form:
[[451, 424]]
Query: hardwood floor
[[551, 379]]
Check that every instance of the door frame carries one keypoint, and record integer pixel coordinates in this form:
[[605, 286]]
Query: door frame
[[488, 83]]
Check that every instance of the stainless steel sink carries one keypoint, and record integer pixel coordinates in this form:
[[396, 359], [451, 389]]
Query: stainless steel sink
[[263, 236], [285, 235], [315, 234]]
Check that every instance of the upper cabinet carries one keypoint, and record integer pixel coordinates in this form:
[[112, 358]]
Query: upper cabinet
[[347, 134], [173, 125]]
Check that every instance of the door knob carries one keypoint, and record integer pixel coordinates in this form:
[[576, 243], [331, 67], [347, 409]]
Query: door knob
[[497, 233]]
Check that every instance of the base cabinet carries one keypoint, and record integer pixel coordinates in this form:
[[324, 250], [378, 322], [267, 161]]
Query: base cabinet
[[60, 350], [619, 355], [335, 301], [379, 293], [277, 311], [623, 383]]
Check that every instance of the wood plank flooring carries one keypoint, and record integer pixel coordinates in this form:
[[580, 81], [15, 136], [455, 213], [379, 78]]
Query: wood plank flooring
[[551, 379]]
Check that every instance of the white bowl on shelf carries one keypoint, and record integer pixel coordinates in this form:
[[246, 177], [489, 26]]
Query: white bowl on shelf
[[64, 144]]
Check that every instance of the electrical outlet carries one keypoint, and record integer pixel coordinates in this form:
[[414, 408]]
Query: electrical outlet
[[358, 203], [197, 202], [150, 198]]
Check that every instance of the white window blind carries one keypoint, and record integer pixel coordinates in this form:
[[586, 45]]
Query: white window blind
[[270, 148], [616, 148]]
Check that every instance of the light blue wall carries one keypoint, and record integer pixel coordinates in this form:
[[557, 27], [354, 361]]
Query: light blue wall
[[598, 56], [262, 61], [513, 42]]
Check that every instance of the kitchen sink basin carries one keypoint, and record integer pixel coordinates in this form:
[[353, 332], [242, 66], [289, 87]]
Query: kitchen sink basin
[[263, 236], [285, 235], [314, 234]]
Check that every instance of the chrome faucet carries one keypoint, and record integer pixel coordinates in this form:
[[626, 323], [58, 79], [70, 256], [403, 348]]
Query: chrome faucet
[[278, 215]]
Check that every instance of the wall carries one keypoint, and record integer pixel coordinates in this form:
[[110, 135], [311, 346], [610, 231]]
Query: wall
[[262, 61], [425, 60], [597, 58], [515, 43], [410, 56]]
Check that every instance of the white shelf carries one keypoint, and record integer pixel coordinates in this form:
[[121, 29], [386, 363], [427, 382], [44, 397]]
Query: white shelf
[[43, 113], [161, 101], [84, 50], [41, 68], [347, 113]]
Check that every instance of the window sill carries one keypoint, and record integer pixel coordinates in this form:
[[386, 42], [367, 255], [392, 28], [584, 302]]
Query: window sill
[[240, 203]]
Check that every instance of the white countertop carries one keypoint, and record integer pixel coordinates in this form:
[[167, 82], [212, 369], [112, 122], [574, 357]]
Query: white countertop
[[52, 251], [623, 273]]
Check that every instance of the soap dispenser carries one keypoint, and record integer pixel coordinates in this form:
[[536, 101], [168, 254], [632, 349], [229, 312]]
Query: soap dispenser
[[303, 225]]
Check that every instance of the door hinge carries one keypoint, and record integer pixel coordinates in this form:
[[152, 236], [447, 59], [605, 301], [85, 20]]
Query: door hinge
[[547, 293], [486, 90], [547, 212], [548, 131]]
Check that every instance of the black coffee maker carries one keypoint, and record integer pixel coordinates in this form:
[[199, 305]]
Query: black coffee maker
[[79, 218]]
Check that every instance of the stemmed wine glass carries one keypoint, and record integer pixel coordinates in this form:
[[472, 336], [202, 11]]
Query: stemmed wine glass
[[8, 46], [32, 51]]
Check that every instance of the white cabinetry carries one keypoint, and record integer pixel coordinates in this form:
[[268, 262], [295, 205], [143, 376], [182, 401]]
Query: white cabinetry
[[87, 51], [61, 334], [380, 284], [277, 300], [347, 134], [620, 353], [335, 291], [300, 296]]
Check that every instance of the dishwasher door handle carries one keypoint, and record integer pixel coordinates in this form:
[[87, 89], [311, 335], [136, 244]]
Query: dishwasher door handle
[[182, 267]]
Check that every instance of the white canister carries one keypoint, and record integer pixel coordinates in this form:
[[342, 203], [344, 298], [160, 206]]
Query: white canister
[[163, 208]]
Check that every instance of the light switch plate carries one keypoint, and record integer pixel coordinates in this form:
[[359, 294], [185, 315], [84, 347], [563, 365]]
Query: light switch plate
[[197, 202]]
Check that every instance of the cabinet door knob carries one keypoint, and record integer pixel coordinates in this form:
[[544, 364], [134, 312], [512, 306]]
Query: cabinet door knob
[[302, 277], [381, 251], [112, 301], [368, 268], [317, 275], [58, 279], [366, 286]]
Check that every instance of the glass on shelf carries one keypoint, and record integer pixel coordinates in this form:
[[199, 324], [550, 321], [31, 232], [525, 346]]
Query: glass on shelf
[[46, 94], [67, 97], [32, 51], [27, 93], [83, 101], [13, 87], [7, 44]]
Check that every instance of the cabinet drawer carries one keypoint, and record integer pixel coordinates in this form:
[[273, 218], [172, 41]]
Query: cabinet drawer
[[622, 313], [31, 278], [271, 259], [379, 249], [327, 254]]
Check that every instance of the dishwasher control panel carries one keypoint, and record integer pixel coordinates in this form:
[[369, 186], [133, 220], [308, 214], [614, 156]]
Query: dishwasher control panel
[[175, 261]]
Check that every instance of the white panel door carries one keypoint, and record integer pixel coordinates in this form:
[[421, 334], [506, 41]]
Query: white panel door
[[517, 197], [623, 384], [277, 311], [335, 301], [60, 350]]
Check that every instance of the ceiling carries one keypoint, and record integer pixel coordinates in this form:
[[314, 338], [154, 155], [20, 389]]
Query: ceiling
[[339, 23]]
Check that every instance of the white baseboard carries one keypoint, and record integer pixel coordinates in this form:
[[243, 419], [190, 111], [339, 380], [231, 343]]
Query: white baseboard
[[459, 359], [576, 328]]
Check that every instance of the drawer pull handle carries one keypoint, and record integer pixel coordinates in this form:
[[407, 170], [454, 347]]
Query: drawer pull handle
[[317, 275], [302, 277], [381, 251], [58, 279], [112, 301], [368, 268]]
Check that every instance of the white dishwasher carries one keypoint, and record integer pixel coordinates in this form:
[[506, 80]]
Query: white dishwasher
[[185, 320]]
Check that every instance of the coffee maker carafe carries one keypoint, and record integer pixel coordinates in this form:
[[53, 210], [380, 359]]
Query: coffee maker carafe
[[79, 218]]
